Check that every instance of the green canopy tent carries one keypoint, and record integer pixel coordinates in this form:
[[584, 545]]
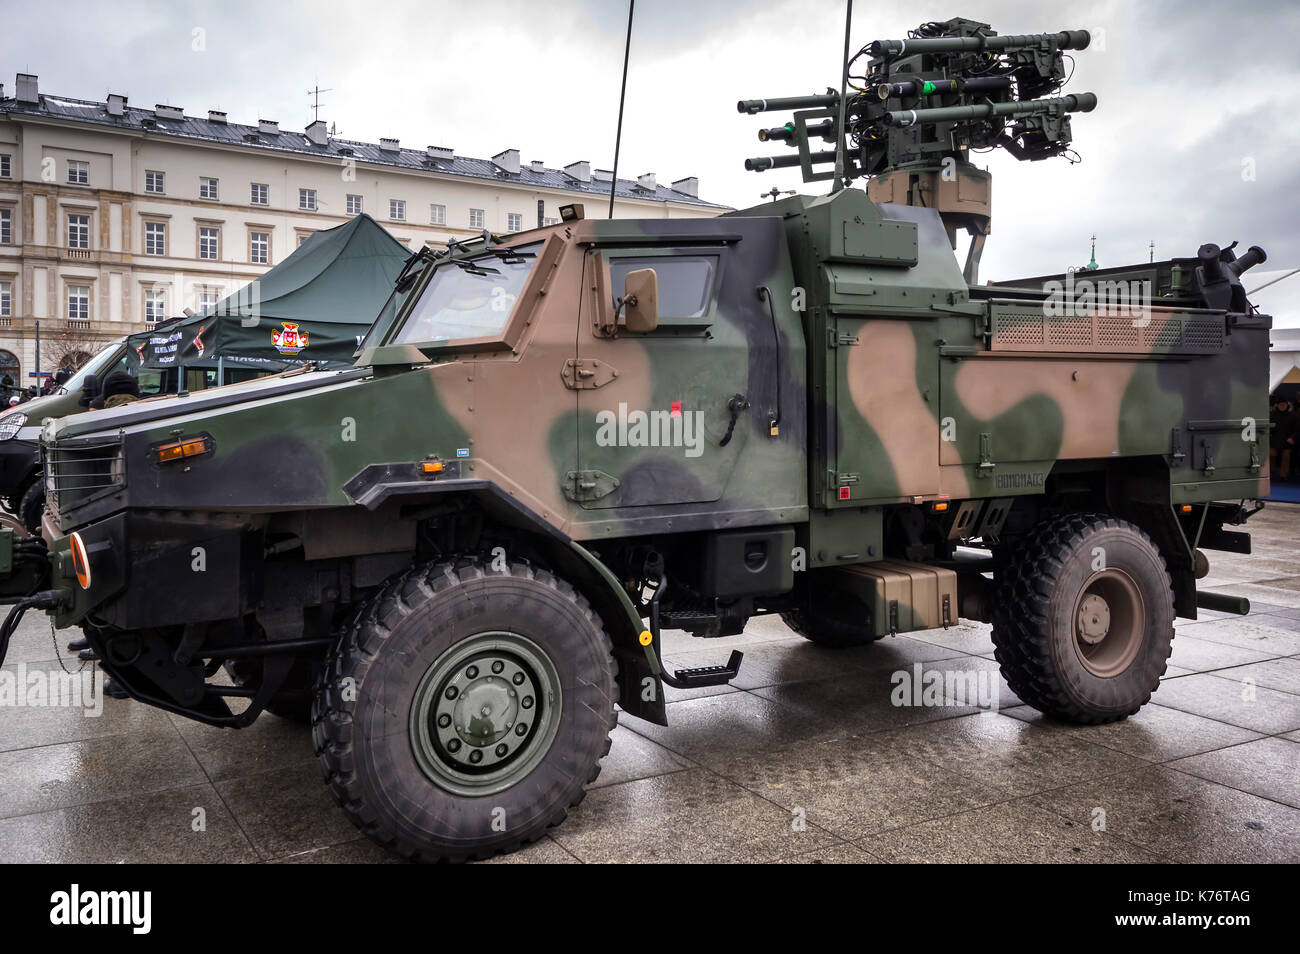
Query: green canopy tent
[[316, 305]]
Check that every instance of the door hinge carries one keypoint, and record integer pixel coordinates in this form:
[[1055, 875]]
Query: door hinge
[[986, 455], [584, 374], [1176, 456], [1208, 457], [582, 486]]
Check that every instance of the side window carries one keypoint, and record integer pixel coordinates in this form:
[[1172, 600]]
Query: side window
[[686, 282], [151, 382]]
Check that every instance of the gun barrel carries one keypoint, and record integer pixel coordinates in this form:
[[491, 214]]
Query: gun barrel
[[753, 106], [763, 163], [1065, 40], [1074, 103]]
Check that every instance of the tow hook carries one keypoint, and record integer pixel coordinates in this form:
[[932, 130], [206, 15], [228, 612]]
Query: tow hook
[[44, 599]]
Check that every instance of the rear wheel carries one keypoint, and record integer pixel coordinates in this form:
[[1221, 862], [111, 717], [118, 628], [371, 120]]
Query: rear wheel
[[832, 618], [1083, 624], [465, 710]]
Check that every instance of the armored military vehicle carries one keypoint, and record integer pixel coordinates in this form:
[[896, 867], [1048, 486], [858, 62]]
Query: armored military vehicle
[[461, 553]]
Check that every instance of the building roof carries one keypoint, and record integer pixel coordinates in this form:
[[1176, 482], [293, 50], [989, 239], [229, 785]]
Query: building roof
[[193, 128]]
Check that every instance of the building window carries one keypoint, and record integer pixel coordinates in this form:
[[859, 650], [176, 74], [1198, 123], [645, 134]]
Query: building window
[[78, 172], [155, 182], [6, 165], [304, 236], [514, 222], [155, 238], [307, 199], [78, 231], [438, 214], [550, 220], [397, 209], [260, 194], [259, 248], [78, 302], [6, 299], [6, 226], [209, 242], [155, 305], [476, 218], [207, 188], [207, 298], [354, 205]]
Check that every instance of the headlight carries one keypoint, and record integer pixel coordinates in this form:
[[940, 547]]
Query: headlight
[[10, 423]]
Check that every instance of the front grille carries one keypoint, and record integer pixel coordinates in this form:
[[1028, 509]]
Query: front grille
[[79, 471]]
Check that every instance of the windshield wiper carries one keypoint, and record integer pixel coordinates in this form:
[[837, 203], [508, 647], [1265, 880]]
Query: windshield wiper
[[474, 269], [408, 272], [510, 256]]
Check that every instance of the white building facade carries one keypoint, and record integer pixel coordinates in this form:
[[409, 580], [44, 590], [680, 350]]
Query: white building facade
[[114, 217]]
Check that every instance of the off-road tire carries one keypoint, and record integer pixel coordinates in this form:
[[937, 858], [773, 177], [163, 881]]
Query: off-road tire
[[375, 672], [1036, 624], [832, 619], [32, 507]]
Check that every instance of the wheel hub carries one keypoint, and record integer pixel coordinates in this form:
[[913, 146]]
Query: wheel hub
[[482, 712], [1109, 623], [1094, 619], [485, 713]]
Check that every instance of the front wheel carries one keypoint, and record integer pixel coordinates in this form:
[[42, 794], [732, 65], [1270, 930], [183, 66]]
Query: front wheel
[[32, 506], [1084, 620], [465, 710]]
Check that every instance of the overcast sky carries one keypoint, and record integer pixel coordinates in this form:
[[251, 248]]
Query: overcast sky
[[1189, 92]]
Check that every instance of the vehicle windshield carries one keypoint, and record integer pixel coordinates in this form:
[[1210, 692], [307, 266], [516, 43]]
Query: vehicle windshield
[[97, 365], [470, 298]]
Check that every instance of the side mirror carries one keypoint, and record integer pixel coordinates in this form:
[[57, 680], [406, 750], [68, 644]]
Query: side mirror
[[641, 299]]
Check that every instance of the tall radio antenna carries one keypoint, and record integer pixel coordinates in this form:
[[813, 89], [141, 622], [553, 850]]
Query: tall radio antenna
[[618, 135]]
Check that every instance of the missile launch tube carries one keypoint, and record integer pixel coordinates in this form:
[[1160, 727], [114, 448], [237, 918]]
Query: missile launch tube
[[1074, 103], [752, 106], [1065, 40]]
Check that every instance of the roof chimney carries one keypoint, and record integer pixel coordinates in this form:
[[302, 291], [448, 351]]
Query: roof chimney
[[317, 133], [646, 181], [116, 104], [389, 145], [440, 152], [27, 90], [507, 161], [688, 186], [579, 170], [162, 111], [216, 116], [603, 175], [537, 165], [268, 127]]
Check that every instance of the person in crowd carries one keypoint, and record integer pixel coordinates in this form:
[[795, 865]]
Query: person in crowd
[[1285, 430]]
